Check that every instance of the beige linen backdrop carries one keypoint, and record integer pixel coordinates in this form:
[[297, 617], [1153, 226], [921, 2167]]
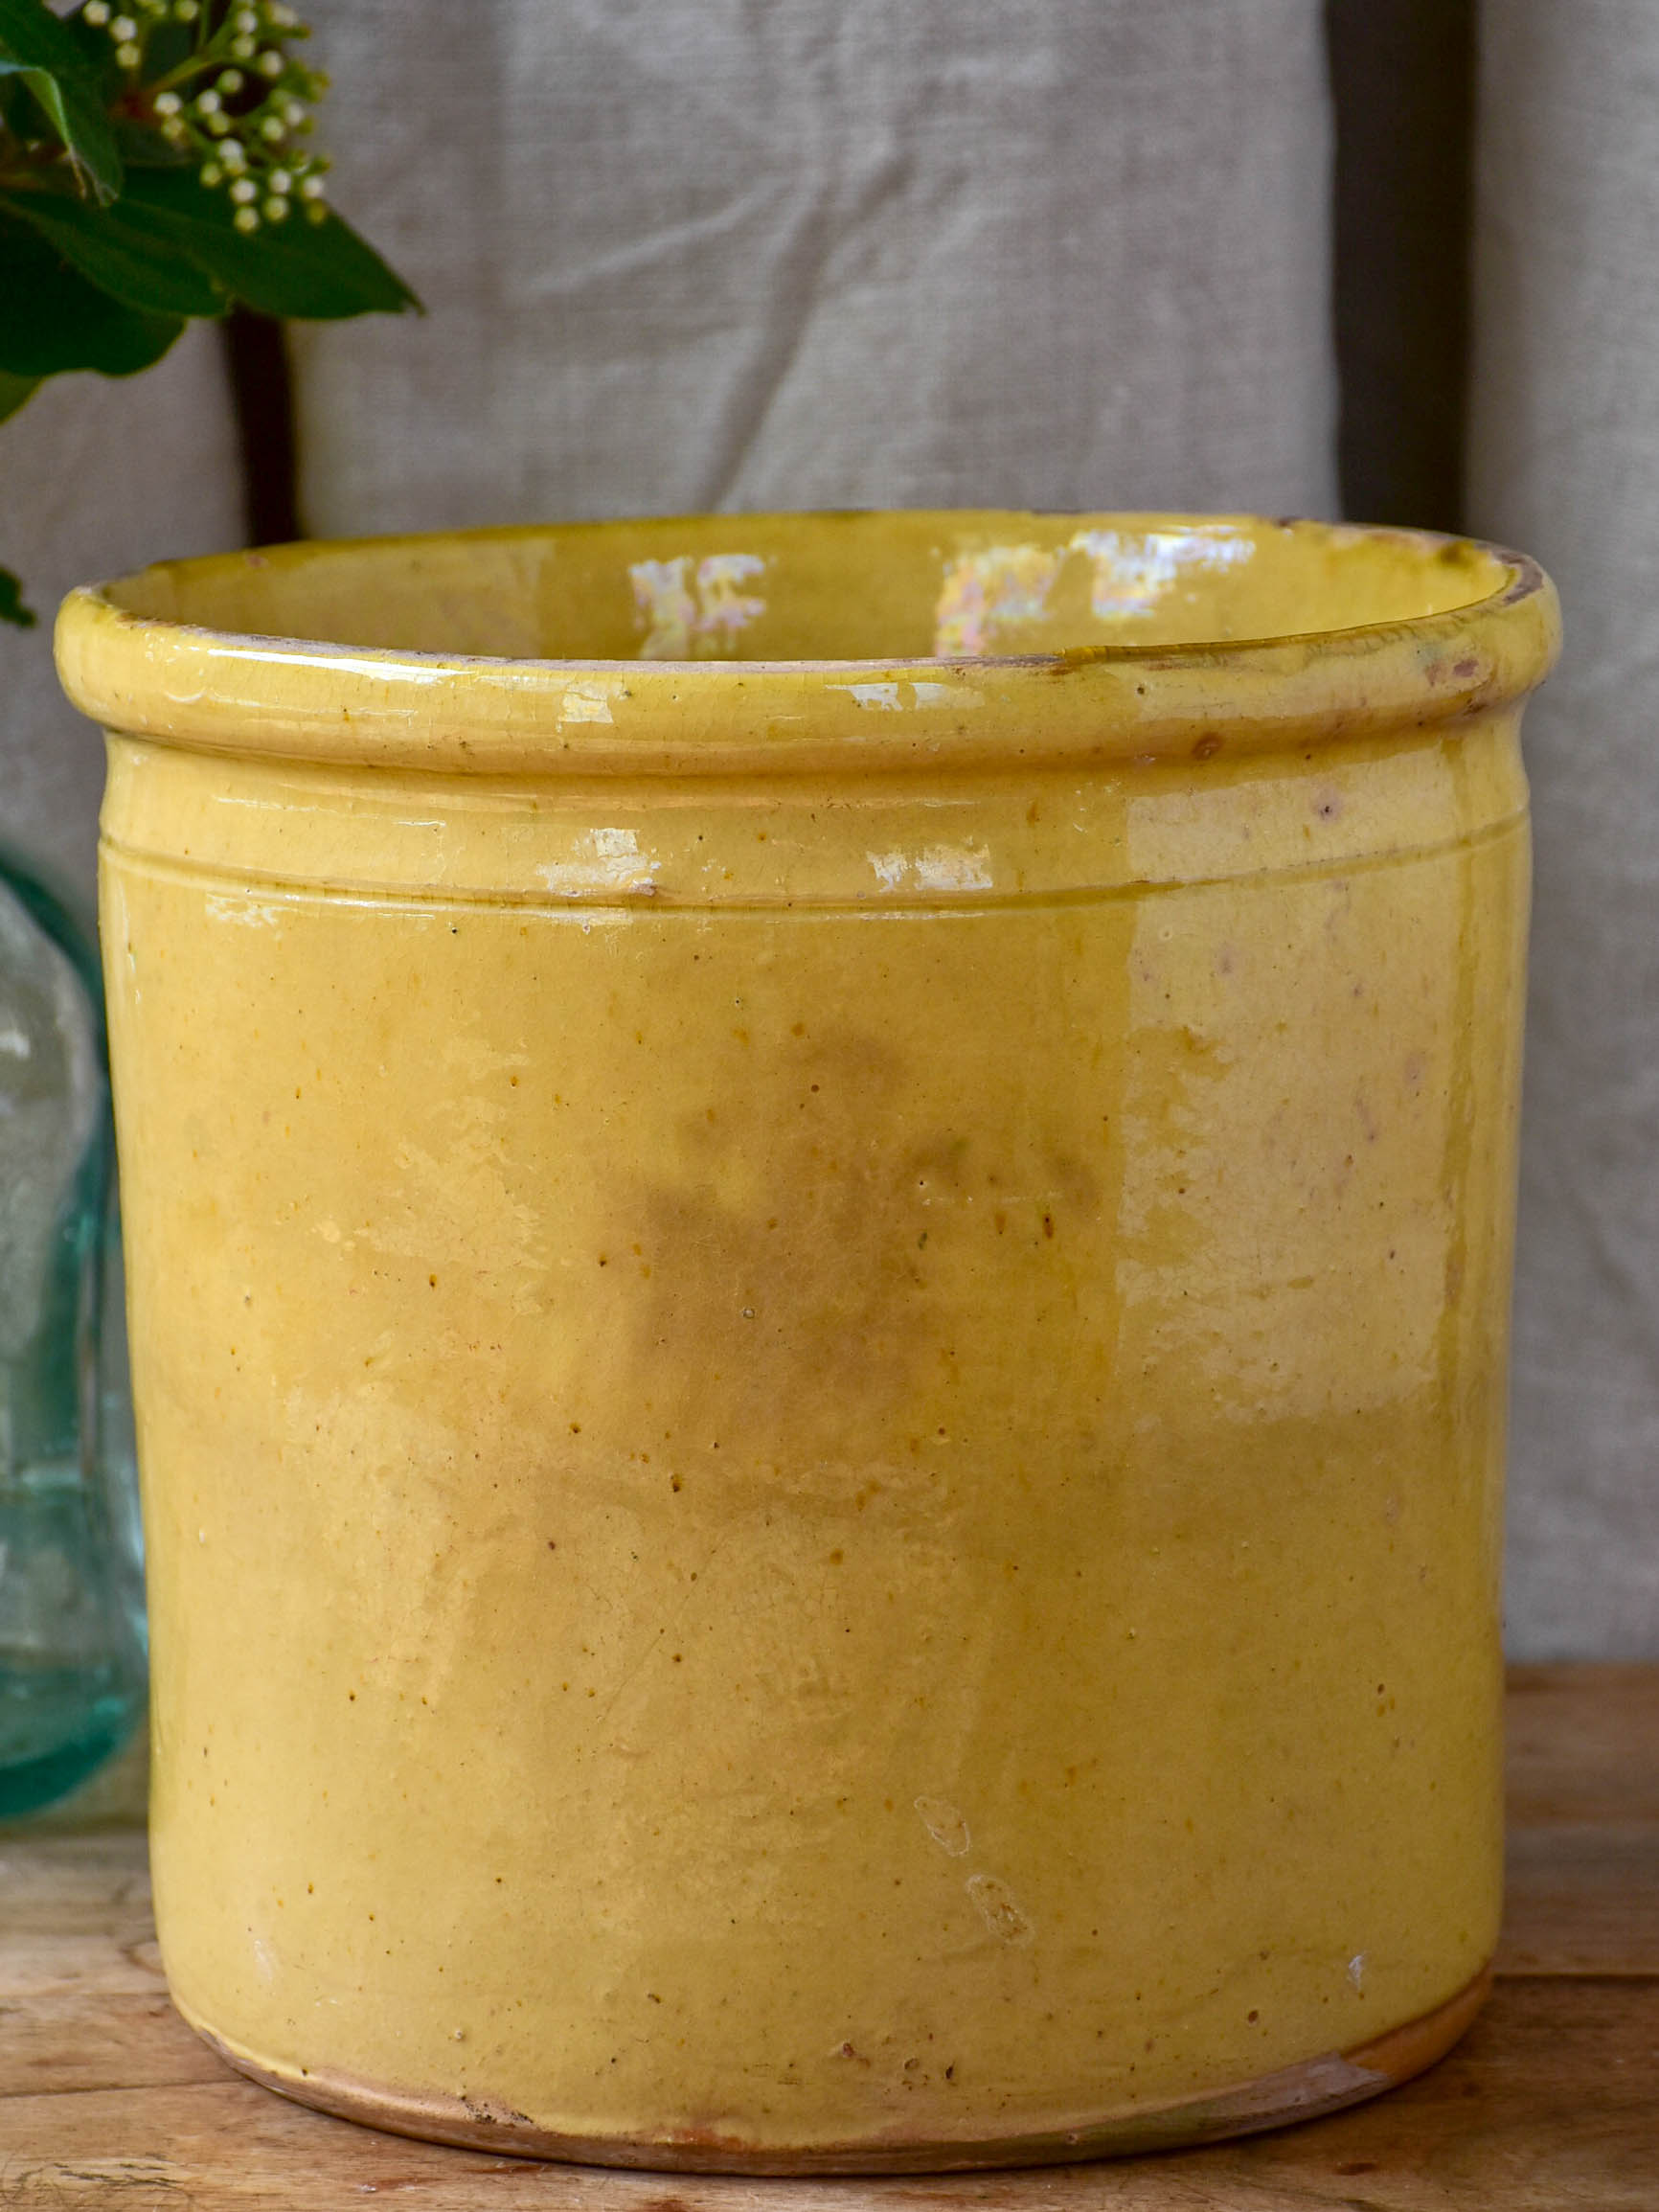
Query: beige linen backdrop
[[695, 254], [96, 476], [1566, 460], [685, 254]]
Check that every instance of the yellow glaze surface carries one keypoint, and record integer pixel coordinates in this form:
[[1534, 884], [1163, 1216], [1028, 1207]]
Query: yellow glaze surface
[[819, 1337]]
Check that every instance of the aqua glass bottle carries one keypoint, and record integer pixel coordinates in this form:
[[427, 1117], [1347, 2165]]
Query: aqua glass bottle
[[72, 1648]]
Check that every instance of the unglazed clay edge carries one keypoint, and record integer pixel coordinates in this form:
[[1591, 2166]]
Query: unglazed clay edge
[[1304, 2092]]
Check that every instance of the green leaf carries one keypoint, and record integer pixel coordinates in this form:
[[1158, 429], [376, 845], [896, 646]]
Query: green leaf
[[37, 48], [11, 606], [13, 391], [119, 251], [304, 271], [142, 145], [54, 320]]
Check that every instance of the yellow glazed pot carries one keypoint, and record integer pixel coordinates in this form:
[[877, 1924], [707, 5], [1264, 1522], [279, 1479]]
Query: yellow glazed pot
[[819, 1217]]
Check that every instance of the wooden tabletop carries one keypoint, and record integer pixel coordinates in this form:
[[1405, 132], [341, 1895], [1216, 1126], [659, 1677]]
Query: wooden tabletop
[[1550, 2103]]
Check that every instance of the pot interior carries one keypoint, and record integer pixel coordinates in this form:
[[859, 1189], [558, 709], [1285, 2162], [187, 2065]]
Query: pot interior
[[804, 587]]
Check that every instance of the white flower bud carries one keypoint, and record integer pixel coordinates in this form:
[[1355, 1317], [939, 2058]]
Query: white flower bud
[[271, 130], [128, 55], [124, 29], [244, 191], [279, 181], [208, 102], [293, 113], [244, 49], [187, 11], [311, 187], [167, 103], [244, 20], [211, 174], [232, 156], [97, 12], [230, 81], [246, 218], [275, 209], [270, 63]]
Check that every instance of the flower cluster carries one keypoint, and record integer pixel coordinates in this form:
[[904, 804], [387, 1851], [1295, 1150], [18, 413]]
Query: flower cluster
[[216, 80]]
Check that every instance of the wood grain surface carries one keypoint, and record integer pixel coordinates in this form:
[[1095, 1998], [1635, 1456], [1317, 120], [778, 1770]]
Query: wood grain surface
[[1551, 2104]]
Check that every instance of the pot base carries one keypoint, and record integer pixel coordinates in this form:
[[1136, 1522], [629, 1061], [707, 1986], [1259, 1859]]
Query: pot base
[[1299, 2092]]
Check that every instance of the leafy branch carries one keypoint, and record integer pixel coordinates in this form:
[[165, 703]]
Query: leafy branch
[[156, 168]]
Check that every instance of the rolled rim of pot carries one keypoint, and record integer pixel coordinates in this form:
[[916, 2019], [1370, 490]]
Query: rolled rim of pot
[[722, 645]]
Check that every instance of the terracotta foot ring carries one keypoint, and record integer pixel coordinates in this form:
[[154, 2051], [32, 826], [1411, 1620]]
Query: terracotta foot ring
[[1299, 2092]]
